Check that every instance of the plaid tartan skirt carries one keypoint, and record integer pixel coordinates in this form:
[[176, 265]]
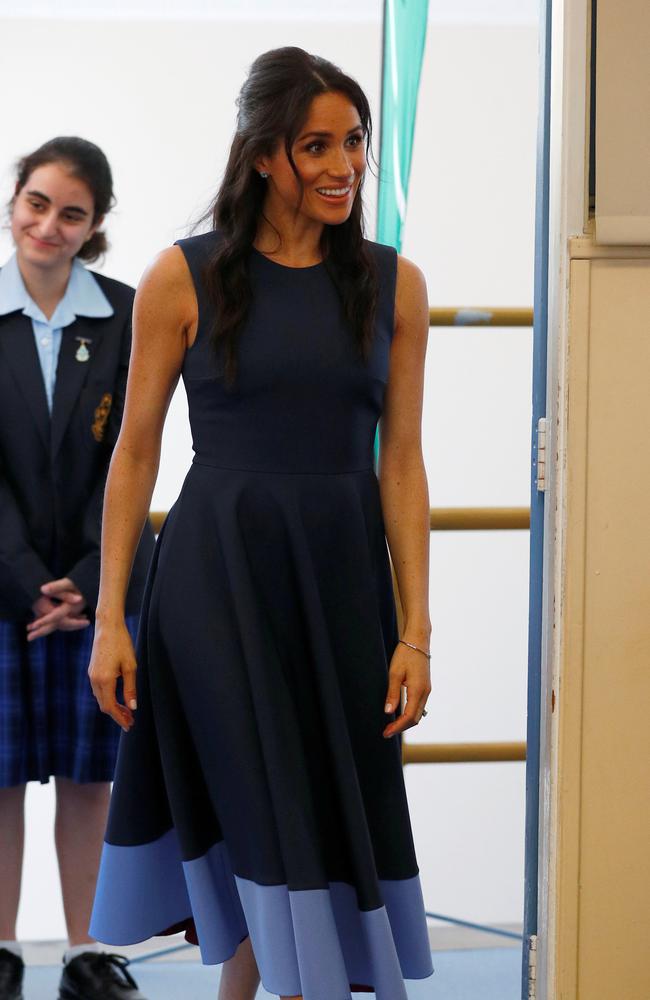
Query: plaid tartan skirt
[[50, 724]]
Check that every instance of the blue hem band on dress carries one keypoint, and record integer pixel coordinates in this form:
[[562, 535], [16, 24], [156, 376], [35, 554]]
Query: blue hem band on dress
[[314, 942]]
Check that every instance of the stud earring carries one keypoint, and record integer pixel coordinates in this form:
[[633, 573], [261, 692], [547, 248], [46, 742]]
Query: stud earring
[[263, 174]]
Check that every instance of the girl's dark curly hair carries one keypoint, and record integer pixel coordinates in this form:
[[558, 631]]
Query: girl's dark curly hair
[[86, 161], [273, 105]]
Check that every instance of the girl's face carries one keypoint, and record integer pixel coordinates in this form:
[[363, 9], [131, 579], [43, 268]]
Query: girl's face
[[52, 216], [330, 158]]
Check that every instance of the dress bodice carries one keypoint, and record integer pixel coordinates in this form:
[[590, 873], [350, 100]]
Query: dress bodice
[[304, 400]]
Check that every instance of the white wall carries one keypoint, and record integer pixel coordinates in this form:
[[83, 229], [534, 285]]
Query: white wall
[[158, 97]]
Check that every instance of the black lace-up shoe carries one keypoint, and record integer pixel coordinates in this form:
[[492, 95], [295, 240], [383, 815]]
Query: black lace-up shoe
[[96, 975], [12, 969]]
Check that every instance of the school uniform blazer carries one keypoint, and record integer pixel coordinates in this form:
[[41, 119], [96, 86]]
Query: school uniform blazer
[[53, 469]]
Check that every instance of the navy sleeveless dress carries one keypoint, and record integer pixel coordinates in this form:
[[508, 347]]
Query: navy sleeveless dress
[[255, 794]]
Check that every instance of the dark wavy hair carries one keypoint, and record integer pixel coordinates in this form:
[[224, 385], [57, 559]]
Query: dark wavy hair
[[273, 105], [88, 163]]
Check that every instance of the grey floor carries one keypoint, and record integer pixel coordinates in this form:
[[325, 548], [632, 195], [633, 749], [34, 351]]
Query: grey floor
[[469, 965]]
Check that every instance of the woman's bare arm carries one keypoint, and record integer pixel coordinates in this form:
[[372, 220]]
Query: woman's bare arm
[[404, 491], [164, 321]]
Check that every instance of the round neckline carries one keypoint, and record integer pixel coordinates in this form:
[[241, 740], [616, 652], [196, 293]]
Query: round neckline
[[286, 267]]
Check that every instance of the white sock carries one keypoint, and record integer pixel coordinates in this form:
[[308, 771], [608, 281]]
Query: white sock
[[79, 949], [13, 946]]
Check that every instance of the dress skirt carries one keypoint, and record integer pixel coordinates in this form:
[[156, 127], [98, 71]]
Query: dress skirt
[[255, 793]]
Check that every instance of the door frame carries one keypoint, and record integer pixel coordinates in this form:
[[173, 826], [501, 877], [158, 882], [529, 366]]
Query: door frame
[[561, 212], [538, 527]]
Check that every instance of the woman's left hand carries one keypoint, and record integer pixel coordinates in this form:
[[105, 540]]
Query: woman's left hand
[[410, 668], [63, 610]]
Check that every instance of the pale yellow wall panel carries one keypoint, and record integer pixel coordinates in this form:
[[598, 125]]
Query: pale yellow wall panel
[[609, 512], [570, 679]]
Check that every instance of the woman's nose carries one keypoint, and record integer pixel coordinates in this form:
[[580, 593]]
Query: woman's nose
[[341, 166], [47, 224]]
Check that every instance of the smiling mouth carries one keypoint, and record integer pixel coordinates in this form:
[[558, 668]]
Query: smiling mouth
[[43, 243], [334, 193]]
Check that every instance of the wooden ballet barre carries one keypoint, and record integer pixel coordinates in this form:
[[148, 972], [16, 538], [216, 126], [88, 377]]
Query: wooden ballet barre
[[157, 517], [444, 518], [480, 316], [479, 518], [465, 519], [461, 753]]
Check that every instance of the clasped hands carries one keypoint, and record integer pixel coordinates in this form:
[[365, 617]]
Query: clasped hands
[[60, 606]]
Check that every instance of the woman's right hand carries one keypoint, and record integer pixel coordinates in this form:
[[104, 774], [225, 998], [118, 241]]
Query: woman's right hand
[[113, 656]]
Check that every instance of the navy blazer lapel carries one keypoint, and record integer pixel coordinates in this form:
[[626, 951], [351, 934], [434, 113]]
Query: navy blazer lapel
[[71, 374], [21, 357]]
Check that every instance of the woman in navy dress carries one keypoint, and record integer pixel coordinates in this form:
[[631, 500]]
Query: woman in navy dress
[[64, 351], [259, 800]]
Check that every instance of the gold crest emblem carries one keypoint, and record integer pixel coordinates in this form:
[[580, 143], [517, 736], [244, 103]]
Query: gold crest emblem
[[101, 416]]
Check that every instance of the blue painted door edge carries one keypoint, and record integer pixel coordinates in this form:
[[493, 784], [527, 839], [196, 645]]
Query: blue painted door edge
[[540, 306]]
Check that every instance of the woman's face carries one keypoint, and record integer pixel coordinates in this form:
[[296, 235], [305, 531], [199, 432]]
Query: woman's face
[[52, 216], [330, 158]]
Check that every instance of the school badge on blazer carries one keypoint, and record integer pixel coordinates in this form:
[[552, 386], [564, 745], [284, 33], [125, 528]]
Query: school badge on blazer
[[101, 416]]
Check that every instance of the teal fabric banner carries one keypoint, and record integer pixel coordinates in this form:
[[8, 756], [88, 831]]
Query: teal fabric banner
[[405, 29], [405, 32]]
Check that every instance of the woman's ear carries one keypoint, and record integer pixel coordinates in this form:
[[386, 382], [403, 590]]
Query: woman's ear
[[262, 166], [94, 228]]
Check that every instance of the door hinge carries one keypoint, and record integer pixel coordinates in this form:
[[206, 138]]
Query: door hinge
[[532, 967], [540, 457]]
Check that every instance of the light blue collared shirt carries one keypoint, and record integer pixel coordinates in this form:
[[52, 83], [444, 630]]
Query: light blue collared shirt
[[83, 297]]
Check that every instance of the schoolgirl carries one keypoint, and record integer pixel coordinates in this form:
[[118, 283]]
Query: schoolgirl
[[65, 335]]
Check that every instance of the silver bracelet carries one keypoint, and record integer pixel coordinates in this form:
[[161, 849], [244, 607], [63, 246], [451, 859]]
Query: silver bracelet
[[413, 646]]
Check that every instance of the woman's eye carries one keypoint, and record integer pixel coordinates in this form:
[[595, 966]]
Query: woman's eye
[[35, 204], [318, 147]]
